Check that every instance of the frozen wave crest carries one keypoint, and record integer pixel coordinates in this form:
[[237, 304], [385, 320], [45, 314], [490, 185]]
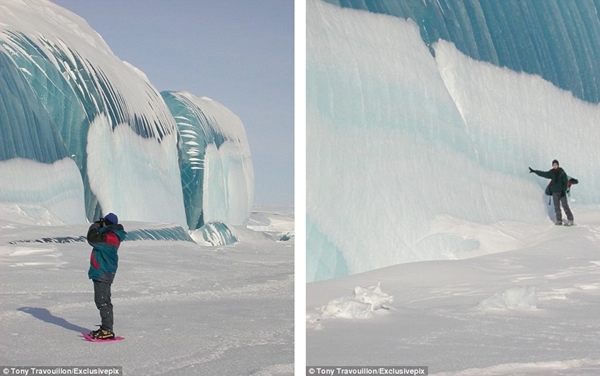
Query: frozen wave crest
[[214, 160], [66, 95]]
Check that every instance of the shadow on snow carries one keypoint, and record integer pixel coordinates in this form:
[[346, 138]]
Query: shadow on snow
[[45, 315]]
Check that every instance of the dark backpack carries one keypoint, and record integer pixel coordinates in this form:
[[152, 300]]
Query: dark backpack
[[571, 181]]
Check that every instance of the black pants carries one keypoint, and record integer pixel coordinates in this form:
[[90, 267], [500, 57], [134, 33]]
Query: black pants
[[103, 303], [559, 199]]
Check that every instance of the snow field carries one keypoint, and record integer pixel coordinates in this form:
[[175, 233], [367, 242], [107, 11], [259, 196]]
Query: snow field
[[531, 310], [184, 309]]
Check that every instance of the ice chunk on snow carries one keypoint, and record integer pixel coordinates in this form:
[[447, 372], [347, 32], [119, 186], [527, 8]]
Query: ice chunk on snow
[[361, 305], [214, 234], [516, 298]]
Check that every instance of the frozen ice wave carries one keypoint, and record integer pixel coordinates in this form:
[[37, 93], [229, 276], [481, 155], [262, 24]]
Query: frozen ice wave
[[515, 119], [409, 136], [214, 160], [126, 172], [68, 96], [553, 39]]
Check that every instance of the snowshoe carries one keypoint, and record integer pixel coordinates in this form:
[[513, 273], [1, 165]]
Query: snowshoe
[[102, 334]]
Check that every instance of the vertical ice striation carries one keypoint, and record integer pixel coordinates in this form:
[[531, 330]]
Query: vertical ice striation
[[406, 134], [215, 162], [28, 134], [66, 96], [27, 129], [556, 39]]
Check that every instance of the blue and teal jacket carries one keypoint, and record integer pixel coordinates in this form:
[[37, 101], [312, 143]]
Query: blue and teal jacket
[[104, 259]]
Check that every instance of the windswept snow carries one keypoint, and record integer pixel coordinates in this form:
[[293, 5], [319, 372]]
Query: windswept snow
[[531, 310], [184, 309]]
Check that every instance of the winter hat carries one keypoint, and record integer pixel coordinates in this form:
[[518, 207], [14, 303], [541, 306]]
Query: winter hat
[[111, 219], [555, 161]]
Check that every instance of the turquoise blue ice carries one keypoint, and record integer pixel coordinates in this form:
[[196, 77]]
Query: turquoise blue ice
[[422, 115], [103, 138]]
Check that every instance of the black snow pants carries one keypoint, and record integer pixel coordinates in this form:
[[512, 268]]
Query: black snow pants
[[103, 303]]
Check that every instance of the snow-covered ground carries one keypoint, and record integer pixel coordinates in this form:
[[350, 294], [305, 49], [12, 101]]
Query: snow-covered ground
[[527, 303], [184, 309]]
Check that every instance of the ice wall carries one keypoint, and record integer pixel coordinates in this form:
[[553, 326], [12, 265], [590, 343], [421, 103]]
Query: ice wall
[[52, 191], [556, 39], [65, 95], [215, 162], [399, 137]]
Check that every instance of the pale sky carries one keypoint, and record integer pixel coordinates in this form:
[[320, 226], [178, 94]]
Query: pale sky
[[237, 52]]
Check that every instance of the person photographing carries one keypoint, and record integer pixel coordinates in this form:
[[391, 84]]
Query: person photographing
[[105, 236]]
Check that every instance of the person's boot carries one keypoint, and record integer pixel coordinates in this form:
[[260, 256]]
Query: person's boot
[[102, 334]]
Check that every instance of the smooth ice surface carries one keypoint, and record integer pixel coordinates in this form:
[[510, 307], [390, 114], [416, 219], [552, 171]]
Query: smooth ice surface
[[401, 142], [134, 176], [183, 309], [66, 95], [52, 193]]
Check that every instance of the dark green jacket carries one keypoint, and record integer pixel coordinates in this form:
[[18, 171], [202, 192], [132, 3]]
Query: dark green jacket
[[558, 177], [104, 259]]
